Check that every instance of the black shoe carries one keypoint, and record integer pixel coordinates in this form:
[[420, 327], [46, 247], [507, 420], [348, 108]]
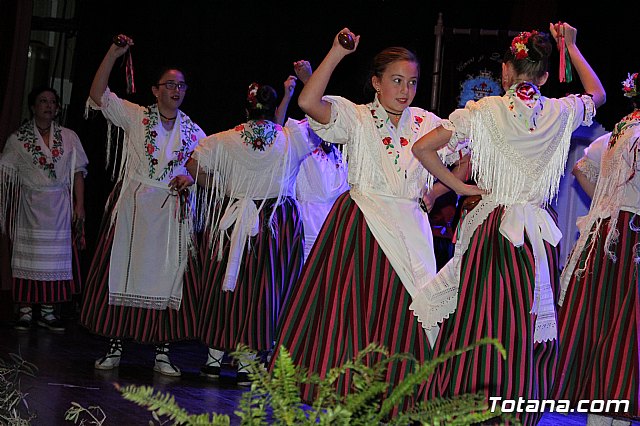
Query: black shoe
[[210, 371], [243, 379], [52, 323], [22, 325]]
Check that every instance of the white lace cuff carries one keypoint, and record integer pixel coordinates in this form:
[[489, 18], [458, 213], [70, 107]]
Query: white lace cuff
[[589, 168], [589, 110]]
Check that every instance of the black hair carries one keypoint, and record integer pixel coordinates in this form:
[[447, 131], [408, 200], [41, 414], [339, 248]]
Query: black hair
[[634, 101], [388, 56], [536, 62], [31, 98], [262, 105], [36, 91], [164, 69]]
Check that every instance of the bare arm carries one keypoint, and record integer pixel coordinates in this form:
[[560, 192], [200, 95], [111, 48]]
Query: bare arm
[[289, 88], [78, 195], [303, 70], [588, 186], [588, 77], [197, 173], [426, 151], [460, 170], [310, 99], [101, 79]]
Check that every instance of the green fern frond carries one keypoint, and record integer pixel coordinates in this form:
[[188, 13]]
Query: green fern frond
[[164, 405]]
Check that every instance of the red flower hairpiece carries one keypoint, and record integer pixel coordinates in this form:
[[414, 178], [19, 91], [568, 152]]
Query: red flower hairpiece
[[519, 44], [252, 96]]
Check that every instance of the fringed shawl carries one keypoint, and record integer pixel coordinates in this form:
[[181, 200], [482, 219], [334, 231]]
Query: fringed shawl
[[36, 200], [519, 151], [149, 256], [618, 179], [255, 161]]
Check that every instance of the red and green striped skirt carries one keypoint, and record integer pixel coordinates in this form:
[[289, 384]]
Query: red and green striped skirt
[[126, 322], [27, 291], [494, 300], [268, 271], [598, 323], [347, 297]]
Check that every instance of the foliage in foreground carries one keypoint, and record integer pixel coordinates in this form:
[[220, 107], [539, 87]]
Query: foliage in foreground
[[274, 398], [14, 408]]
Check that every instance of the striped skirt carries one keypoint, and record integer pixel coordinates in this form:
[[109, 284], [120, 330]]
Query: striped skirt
[[126, 322], [347, 297], [34, 291], [268, 271], [598, 324], [496, 295]]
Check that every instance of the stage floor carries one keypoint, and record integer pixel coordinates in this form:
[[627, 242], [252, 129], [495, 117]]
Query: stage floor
[[66, 374]]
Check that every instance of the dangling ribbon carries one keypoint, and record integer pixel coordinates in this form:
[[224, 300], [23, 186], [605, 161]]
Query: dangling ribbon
[[121, 41], [131, 86], [565, 60]]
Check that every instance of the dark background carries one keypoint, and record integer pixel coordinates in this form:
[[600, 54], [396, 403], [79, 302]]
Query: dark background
[[225, 45]]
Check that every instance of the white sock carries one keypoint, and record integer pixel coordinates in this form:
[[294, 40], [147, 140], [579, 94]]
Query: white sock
[[46, 311], [25, 313], [596, 420], [244, 365], [618, 422], [214, 358]]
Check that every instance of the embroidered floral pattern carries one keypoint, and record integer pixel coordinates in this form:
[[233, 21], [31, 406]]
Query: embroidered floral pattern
[[259, 134], [188, 136], [393, 148], [631, 120], [29, 140], [529, 94]]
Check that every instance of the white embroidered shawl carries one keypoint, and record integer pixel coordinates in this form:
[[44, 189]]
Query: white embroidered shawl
[[386, 183], [153, 229], [257, 160], [37, 196], [617, 188], [519, 150]]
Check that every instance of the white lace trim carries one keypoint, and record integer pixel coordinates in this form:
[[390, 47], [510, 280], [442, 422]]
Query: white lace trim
[[9, 196], [589, 168], [146, 302]]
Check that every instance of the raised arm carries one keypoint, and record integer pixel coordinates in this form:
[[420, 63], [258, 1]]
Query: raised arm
[[289, 88], [588, 77], [101, 79], [303, 70], [310, 99]]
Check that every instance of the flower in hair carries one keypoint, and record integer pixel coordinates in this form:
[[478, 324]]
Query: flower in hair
[[629, 85], [252, 96], [519, 44]]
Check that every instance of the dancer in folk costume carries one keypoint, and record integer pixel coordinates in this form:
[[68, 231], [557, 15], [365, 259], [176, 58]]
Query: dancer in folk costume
[[599, 314], [142, 281], [364, 279], [42, 170], [322, 178], [502, 278], [253, 242]]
